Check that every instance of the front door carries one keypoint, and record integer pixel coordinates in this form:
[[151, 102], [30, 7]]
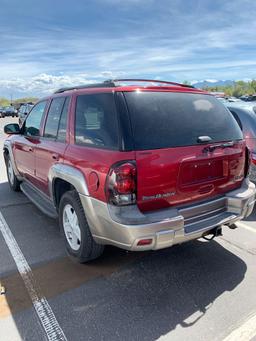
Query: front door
[[26, 144], [53, 142]]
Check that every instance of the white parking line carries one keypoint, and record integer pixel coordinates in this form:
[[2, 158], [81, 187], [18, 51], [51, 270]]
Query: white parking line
[[247, 227], [245, 332], [44, 312]]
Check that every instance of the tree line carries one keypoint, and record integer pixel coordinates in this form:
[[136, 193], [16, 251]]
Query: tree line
[[237, 89], [4, 102]]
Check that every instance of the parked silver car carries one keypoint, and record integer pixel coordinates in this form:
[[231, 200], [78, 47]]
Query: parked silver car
[[245, 115]]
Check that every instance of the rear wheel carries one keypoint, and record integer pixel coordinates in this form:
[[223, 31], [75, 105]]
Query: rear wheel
[[12, 179], [78, 238]]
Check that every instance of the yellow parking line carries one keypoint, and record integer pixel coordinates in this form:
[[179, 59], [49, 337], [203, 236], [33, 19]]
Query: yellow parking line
[[4, 307]]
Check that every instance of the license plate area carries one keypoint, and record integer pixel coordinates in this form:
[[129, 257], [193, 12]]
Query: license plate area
[[193, 173]]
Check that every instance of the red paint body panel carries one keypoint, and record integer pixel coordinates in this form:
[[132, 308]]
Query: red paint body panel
[[47, 153], [89, 160], [173, 176], [24, 155], [185, 174]]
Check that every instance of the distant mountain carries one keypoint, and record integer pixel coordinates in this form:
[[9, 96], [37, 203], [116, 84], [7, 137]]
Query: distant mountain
[[212, 82]]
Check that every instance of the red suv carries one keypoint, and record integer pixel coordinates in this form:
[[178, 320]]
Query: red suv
[[141, 167]]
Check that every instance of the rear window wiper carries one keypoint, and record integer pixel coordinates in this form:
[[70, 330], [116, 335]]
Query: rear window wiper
[[219, 145]]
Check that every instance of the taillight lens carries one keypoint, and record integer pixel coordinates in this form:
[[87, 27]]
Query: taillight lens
[[248, 160], [253, 158], [121, 184]]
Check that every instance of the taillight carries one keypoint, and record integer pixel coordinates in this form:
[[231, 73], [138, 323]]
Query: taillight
[[247, 162], [253, 158], [121, 184]]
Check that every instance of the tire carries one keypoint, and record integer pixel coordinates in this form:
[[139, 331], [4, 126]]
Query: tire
[[79, 242], [14, 183]]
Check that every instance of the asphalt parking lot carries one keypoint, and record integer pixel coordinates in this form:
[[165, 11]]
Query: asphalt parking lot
[[199, 290]]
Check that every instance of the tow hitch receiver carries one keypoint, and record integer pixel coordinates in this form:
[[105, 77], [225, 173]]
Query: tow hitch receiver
[[216, 232]]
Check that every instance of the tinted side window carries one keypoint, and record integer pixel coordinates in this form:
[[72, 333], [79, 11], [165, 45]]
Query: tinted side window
[[33, 121], [96, 121], [52, 122], [63, 121]]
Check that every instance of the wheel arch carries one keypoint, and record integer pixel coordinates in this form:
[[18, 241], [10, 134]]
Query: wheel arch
[[63, 178], [7, 151]]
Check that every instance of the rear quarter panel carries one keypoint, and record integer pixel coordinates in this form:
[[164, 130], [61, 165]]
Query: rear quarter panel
[[95, 164]]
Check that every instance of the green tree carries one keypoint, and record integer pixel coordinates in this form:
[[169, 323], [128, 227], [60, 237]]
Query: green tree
[[186, 82], [4, 102]]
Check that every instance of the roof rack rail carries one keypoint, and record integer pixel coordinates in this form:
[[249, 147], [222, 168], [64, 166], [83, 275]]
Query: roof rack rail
[[111, 83], [150, 81], [105, 84]]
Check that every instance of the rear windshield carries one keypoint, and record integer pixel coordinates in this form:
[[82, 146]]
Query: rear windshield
[[165, 119]]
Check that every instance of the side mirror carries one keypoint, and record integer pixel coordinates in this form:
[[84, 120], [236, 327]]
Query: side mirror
[[12, 128]]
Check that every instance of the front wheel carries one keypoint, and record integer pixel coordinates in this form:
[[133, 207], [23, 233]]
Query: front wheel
[[14, 183], [74, 226]]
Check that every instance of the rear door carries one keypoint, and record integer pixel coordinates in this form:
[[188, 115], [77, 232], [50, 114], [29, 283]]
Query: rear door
[[53, 143], [174, 165]]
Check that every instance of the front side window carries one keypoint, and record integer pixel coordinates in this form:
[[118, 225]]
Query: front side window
[[53, 118], [62, 129], [96, 121], [33, 121]]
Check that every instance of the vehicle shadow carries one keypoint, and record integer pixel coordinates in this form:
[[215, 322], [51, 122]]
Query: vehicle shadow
[[162, 290]]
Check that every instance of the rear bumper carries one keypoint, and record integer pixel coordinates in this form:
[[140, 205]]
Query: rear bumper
[[125, 226]]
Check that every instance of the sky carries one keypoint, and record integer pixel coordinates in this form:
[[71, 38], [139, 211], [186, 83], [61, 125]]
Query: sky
[[48, 44]]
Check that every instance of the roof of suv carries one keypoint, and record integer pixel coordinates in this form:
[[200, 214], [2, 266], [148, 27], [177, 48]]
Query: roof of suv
[[137, 84]]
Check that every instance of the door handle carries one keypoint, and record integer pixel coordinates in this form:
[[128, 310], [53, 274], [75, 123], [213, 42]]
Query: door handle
[[55, 157]]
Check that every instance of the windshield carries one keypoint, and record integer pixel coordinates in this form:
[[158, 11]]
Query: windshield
[[165, 119]]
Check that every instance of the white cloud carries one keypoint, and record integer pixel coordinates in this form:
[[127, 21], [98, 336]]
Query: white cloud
[[180, 41], [44, 83], [211, 80]]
